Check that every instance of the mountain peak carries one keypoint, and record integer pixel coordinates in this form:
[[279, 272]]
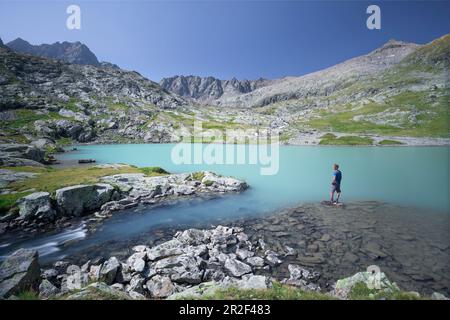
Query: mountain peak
[[72, 52], [392, 43]]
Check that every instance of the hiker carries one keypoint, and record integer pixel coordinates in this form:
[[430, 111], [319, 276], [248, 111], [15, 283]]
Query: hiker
[[336, 184]]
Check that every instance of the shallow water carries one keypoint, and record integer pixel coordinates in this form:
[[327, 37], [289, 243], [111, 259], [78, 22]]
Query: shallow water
[[413, 177]]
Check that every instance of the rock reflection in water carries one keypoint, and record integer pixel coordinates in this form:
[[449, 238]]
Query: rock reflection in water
[[411, 246]]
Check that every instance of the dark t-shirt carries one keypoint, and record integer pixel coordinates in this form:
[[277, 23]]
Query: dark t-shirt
[[338, 175]]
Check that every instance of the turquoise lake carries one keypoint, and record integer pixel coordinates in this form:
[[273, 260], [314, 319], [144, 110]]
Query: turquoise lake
[[413, 177]]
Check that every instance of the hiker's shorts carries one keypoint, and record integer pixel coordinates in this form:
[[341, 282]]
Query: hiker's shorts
[[336, 188]]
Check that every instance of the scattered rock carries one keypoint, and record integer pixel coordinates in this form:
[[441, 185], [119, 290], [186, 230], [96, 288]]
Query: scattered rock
[[377, 281], [47, 289], [108, 271], [438, 296], [160, 286], [237, 268], [272, 258], [255, 262], [86, 161]]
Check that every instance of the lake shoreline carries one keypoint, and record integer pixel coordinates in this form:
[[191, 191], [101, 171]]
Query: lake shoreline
[[298, 238], [305, 141]]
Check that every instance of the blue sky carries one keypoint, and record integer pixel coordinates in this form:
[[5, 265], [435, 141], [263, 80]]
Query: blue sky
[[242, 39]]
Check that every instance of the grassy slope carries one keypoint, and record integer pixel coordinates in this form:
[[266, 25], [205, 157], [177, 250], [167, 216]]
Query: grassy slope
[[430, 106], [49, 180], [284, 292], [277, 292], [331, 139], [431, 120], [390, 93]]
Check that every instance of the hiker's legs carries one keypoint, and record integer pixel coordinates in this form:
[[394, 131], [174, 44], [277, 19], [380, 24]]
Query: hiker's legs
[[331, 196], [338, 196]]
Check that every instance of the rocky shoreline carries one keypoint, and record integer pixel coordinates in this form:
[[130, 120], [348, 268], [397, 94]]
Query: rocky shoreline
[[313, 138], [42, 211], [193, 264]]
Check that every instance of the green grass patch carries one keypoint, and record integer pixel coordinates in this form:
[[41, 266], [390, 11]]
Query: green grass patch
[[388, 142], [8, 201], [63, 142], [430, 116], [28, 295], [198, 176], [25, 117], [277, 292], [328, 136], [27, 169], [330, 139], [53, 179], [153, 171], [361, 292], [15, 137], [208, 183]]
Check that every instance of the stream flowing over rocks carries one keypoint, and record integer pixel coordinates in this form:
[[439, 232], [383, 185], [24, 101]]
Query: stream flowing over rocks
[[192, 264], [329, 242]]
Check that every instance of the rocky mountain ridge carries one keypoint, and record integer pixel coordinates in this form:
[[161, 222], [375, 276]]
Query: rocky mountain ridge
[[71, 52], [327, 81], [398, 90], [207, 89], [48, 98]]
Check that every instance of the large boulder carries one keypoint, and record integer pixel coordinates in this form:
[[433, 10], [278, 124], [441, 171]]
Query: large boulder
[[81, 199], [22, 151], [164, 250], [8, 161], [109, 270], [136, 262], [36, 206], [19, 272], [223, 184]]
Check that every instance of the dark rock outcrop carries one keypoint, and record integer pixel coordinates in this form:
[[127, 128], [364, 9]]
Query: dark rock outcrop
[[209, 88]]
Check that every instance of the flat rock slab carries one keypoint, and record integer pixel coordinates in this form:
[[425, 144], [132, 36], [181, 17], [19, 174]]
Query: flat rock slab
[[331, 204]]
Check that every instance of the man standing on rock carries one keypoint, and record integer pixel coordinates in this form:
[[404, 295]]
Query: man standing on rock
[[336, 184]]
